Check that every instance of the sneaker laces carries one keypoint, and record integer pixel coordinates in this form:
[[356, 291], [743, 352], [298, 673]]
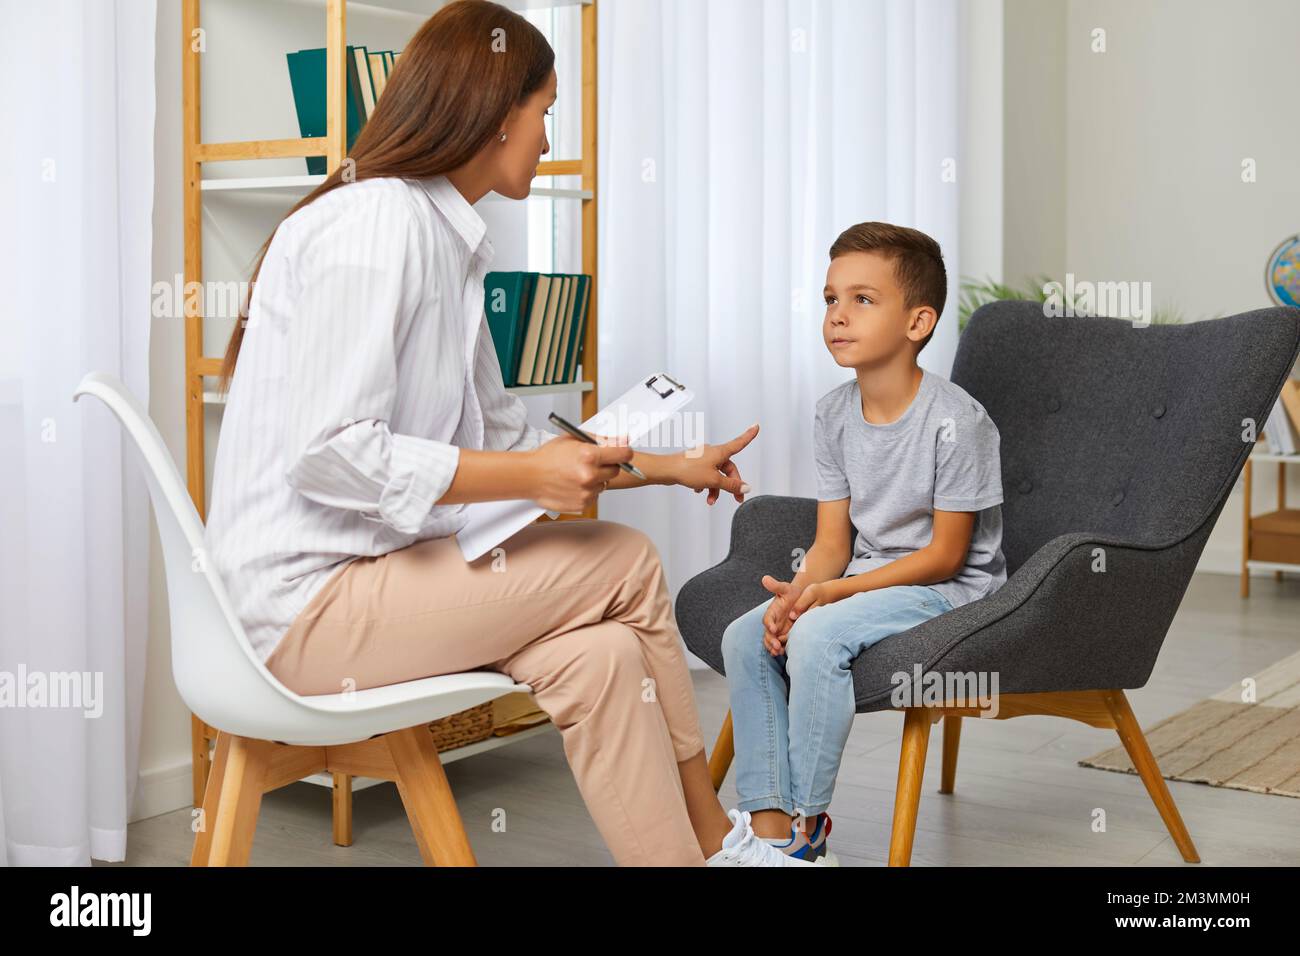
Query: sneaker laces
[[748, 849]]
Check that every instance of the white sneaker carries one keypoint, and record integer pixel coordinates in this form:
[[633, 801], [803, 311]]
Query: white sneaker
[[742, 848]]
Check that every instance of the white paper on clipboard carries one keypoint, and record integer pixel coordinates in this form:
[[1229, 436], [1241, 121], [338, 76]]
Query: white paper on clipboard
[[635, 413]]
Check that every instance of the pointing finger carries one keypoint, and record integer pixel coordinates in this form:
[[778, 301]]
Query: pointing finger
[[740, 441]]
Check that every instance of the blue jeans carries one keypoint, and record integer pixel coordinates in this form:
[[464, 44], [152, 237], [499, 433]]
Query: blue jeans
[[791, 714]]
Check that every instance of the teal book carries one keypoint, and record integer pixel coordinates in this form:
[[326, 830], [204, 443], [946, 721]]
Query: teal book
[[506, 301], [521, 330], [307, 76], [578, 333]]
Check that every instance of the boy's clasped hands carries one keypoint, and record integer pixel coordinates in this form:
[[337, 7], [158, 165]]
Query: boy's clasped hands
[[789, 601]]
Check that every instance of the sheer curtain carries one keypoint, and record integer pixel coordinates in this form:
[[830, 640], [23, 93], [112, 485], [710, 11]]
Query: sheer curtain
[[74, 520], [738, 138]]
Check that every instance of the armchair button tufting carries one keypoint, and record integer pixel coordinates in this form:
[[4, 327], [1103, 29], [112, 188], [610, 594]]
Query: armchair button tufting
[[1117, 497], [1053, 404], [1158, 411], [1026, 486]]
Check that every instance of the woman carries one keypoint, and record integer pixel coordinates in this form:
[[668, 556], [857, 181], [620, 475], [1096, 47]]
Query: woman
[[368, 409]]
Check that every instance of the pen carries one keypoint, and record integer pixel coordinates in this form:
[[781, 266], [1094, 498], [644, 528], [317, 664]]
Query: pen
[[579, 434]]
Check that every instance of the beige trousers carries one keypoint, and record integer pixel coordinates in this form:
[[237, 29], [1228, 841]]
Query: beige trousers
[[579, 610]]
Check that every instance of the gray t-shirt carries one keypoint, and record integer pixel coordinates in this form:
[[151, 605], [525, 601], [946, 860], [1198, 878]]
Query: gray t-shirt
[[942, 452]]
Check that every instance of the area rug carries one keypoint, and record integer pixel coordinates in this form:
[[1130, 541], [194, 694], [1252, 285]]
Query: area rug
[[1227, 742]]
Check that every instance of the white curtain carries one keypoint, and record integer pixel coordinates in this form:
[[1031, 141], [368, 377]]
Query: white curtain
[[74, 521], [738, 139]]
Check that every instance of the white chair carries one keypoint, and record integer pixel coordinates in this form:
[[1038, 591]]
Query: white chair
[[269, 736]]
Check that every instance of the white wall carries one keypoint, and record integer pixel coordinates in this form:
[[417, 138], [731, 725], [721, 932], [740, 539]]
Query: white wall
[[980, 224], [1034, 148], [1157, 128]]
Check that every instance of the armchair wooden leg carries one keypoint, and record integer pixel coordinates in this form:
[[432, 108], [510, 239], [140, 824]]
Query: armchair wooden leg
[[427, 796], [342, 809], [235, 788], [724, 751], [1135, 742], [907, 798], [951, 738]]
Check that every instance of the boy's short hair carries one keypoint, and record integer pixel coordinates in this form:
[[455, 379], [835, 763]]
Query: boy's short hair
[[918, 261]]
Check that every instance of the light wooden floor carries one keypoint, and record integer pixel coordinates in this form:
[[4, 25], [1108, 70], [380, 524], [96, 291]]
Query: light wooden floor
[[1020, 797]]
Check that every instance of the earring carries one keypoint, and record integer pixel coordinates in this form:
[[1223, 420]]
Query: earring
[[503, 136]]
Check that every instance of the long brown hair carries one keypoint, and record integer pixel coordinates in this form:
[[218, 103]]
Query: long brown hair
[[451, 92]]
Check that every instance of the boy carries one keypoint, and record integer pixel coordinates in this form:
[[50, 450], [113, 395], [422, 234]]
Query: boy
[[910, 462]]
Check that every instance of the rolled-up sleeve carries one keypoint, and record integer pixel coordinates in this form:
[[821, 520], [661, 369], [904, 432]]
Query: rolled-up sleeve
[[360, 284], [364, 467]]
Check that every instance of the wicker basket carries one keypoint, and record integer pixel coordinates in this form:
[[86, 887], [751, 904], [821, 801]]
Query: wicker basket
[[462, 728]]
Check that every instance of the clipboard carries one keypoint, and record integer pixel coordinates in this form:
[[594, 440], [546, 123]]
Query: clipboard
[[635, 413]]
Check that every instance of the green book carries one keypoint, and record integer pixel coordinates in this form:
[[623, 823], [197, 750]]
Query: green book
[[307, 76], [578, 331], [506, 302]]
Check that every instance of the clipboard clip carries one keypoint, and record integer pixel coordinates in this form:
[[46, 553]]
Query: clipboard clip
[[654, 379]]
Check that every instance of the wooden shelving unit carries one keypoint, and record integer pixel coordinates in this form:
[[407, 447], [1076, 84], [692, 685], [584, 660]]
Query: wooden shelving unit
[[1271, 541], [199, 368], [300, 185]]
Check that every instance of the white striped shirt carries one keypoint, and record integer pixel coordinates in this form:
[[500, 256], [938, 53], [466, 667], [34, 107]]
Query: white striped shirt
[[366, 366]]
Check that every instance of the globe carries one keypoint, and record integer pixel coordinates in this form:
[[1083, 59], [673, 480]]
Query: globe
[[1282, 274]]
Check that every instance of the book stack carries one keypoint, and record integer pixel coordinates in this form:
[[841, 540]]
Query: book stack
[[538, 323], [1282, 427], [367, 75]]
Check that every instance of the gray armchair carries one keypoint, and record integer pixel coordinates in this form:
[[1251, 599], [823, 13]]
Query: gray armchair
[[1118, 442]]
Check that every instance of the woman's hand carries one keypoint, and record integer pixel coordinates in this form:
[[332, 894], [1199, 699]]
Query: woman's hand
[[568, 475], [776, 620], [711, 467]]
